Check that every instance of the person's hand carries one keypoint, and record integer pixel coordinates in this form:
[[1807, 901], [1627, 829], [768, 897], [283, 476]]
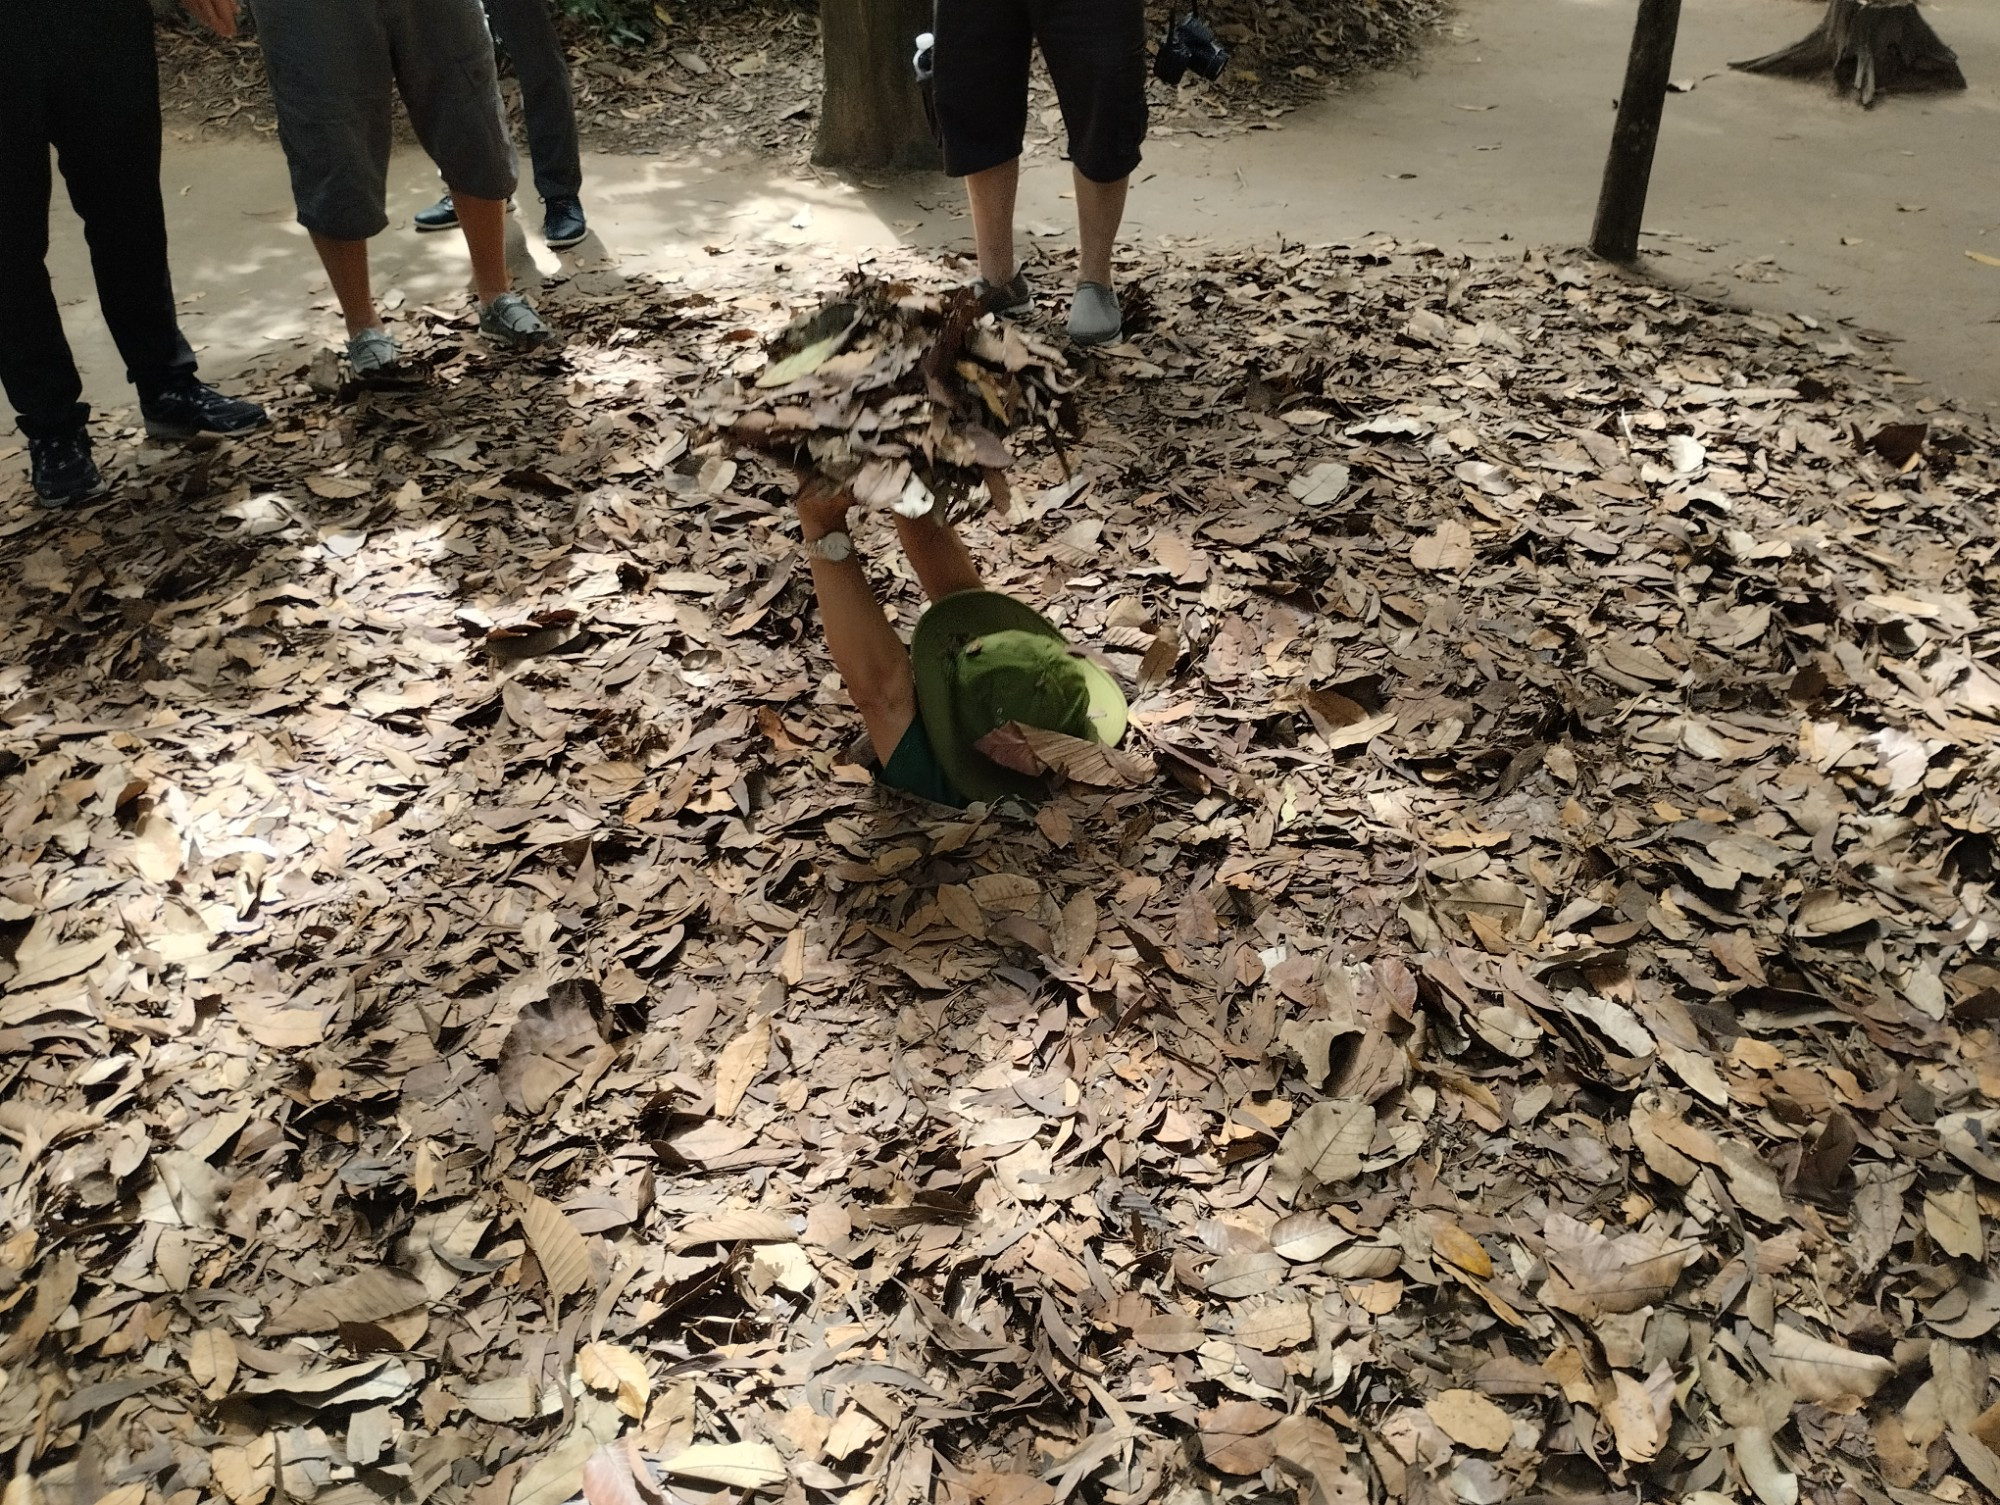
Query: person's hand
[[219, 16], [998, 490], [822, 504]]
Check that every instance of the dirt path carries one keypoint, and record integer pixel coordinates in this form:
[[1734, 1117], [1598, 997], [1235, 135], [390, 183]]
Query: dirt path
[[1772, 193]]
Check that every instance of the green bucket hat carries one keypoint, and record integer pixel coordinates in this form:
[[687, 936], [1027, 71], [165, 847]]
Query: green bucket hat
[[981, 660]]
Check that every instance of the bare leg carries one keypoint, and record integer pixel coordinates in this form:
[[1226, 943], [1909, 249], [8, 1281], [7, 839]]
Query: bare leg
[[346, 263], [871, 659], [484, 223], [991, 194], [1100, 209]]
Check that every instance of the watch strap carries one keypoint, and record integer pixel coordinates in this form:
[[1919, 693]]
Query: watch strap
[[832, 547]]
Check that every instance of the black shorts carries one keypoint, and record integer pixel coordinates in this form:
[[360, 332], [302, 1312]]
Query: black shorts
[[1096, 52]]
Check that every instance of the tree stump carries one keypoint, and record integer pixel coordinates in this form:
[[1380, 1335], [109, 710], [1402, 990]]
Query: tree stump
[[871, 112], [1868, 46]]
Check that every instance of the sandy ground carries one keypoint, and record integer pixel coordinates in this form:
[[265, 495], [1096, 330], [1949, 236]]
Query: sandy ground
[[1768, 192]]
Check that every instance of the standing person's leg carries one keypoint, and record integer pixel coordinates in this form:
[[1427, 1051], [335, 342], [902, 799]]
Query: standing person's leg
[[443, 60], [36, 366], [528, 31], [331, 81], [982, 56], [1096, 52], [37, 369], [107, 134], [991, 195], [1100, 209]]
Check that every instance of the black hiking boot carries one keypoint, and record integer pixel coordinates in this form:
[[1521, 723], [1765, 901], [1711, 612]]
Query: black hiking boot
[[190, 409], [443, 215], [64, 472], [563, 224]]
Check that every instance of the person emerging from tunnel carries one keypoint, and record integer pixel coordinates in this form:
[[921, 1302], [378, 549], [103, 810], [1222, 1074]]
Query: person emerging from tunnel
[[333, 67], [81, 76], [1096, 55], [979, 661]]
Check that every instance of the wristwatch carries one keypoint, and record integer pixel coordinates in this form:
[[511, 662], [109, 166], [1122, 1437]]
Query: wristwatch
[[832, 547]]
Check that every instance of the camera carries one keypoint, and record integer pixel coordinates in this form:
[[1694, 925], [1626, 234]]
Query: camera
[[1190, 47]]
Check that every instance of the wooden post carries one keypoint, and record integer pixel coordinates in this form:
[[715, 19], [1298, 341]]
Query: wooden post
[[1628, 169]]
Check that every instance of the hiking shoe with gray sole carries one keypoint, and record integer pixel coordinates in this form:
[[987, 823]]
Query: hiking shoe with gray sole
[[1095, 319], [372, 353], [509, 321], [1012, 299]]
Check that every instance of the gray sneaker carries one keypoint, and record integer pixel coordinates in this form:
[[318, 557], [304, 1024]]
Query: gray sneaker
[[1095, 319], [1012, 299], [508, 321], [372, 353]]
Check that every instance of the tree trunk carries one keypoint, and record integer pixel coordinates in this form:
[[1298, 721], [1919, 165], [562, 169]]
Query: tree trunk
[[1868, 46], [871, 113]]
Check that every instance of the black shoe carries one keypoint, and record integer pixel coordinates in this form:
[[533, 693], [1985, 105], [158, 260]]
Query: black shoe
[[563, 224], [63, 469], [190, 410], [443, 215]]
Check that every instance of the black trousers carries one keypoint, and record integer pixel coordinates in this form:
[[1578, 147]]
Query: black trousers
[[80, 76], [528, 32]]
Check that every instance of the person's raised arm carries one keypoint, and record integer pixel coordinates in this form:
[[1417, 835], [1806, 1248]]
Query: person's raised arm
[[219, 16], [935, 552], [871, 659]]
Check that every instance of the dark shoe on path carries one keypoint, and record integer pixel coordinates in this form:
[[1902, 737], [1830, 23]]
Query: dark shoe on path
[[563, 224], [443, 215], [192, 409], [1012, 299], [64, 472]]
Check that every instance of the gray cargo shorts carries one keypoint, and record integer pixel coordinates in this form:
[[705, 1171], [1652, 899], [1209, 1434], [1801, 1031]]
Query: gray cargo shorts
[[333, 65]]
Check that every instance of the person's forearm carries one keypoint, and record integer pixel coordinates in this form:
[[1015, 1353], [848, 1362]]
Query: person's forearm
[[873, 663], [937, 554]]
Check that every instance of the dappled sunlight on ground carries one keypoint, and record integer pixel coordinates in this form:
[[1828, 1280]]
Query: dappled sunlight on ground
[[1532, 1026]]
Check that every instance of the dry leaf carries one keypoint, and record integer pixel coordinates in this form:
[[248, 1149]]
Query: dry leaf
[[1449, 548], [1237, 1437], [1641, 1413], [739, 1465], [1471, 1420], [559, 1249], [619, 1371], [368, 1296], [1951, 1215], [1312, 1449], [1594, 1276], [742, 1061], [1758, 1461], [1323, 1147], [1816, 1370]]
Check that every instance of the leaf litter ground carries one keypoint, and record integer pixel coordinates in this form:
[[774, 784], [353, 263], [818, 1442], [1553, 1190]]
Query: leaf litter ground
[[474, 1033]]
